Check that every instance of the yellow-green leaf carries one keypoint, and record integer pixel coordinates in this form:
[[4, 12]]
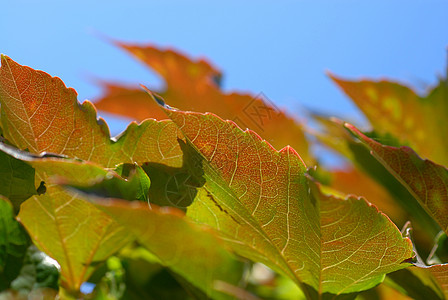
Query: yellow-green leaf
[[259, 199]]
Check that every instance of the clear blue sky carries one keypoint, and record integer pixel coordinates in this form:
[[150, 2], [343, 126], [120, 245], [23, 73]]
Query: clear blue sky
[[280, 48]]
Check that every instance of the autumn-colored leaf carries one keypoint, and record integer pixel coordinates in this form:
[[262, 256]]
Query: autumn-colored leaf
[[334, 135], [127, 100], [40, 114], [417, 121], [425, 180], [352, 181], [421, 283], [259, 199], [193, 85], [440, 274]]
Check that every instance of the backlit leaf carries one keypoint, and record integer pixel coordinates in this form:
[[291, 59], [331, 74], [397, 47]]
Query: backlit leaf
[[423, 283], [352, 181], [40, 114], [259, 199], [416, 121], [335, 136], [181, 245], [425, 180], [188, 249], [194, 85]]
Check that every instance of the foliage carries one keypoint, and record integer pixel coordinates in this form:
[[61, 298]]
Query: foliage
[[188, 205]]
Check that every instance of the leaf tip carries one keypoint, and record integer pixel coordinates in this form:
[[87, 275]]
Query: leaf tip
[[332, 76], [155, 97], [353, 130], [4, 57]]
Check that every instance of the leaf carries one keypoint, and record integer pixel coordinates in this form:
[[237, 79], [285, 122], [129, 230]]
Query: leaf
[[13, 244], [352, 181], [423, 283], [259, 200], [158, 229], [188, 249], [78, 247], [425, 180], [130, 182], [418, 122], [335, 136], [16, 180], [194, 85], [40, 114]]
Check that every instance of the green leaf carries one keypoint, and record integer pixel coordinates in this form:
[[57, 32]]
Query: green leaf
[[16, 180], [13, 244], [259, 199], [126, 181], [188, 249], [396, 109], [90, 236], [425, 180]]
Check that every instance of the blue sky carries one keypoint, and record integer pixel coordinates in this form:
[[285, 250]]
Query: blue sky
[[280, 48]]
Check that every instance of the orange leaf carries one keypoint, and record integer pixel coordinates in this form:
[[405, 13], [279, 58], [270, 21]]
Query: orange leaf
[[193, 85], [352, 181], [425, 180], [391, 108]]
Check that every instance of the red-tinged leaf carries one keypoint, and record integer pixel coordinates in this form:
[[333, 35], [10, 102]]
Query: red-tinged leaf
[[352, 181], [40, 114], [336, 136], [425, 180], [440, 274], [128, 100], [259, 199], [396, 109], [423, 282], [192, 251], [193, 85]]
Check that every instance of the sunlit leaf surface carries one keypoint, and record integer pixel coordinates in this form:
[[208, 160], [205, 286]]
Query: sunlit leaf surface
[[352, 181], [194, 85], [259, 199], [417, 121], [40, 114], [426, 180], [192, 251], [336, 136]]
